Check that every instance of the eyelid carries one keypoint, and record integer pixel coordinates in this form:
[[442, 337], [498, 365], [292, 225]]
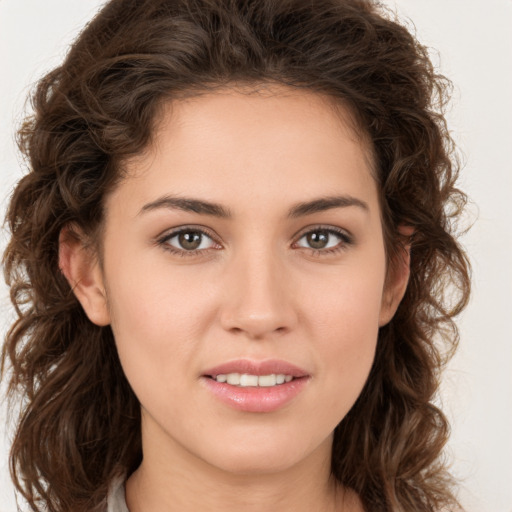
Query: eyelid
[[164, 237], [346, 237]]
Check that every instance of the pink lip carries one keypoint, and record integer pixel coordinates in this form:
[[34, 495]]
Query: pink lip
[[256, 399], [266, 367]]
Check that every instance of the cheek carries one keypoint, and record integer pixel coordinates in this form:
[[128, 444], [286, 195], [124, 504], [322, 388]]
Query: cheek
[[149, 295], [345, 322], [346, 303], [157, 321]]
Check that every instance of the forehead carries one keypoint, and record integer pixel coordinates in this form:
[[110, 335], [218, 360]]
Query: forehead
[[259, 104], [274, 141]]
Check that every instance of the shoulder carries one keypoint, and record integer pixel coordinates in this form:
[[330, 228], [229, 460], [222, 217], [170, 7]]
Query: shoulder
[[116, 501]]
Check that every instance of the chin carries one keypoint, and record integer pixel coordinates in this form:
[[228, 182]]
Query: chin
[[266, 453], [258, 463]]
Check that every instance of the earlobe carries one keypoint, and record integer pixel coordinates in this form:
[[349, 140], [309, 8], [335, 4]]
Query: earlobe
[[80, 266], [398, 279]]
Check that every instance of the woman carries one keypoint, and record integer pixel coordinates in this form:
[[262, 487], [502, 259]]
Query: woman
[[231, 261]]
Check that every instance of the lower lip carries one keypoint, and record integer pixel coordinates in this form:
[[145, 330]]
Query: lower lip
[[256, 399]]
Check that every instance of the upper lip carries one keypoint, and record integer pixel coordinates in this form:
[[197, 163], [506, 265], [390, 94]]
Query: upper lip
[[251, 367]]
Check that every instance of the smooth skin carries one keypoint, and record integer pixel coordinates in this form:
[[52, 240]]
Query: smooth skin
[[258, 276]]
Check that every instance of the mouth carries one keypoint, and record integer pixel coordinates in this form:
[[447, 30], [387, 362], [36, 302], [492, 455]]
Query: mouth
[[245, 380], [250, 373], [256, 386]]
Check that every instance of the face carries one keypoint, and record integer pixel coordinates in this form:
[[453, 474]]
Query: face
[[244, 278]]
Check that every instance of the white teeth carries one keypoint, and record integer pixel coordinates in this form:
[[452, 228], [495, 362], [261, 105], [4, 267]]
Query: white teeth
[[267, 380], [247, 380], [233, 379]]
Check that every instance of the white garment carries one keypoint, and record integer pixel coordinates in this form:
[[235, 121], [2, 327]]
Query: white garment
[[116, 501]]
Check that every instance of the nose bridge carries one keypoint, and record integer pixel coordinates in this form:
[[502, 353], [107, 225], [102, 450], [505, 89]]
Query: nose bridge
[[258, 293]]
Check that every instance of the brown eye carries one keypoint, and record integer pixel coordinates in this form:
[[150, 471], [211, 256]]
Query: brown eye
[[318, 239], [190, 240]]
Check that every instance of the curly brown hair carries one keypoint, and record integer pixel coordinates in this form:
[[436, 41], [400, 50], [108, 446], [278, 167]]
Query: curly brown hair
[[79, 424]]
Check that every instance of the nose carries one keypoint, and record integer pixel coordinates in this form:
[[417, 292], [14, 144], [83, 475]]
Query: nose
[[258, 296]]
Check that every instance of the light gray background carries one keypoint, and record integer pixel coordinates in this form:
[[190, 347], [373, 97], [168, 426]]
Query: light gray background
[[474, 41]]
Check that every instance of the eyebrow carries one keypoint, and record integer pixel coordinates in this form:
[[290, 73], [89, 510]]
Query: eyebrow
[[188, 205], [216, 210], [326, 203]]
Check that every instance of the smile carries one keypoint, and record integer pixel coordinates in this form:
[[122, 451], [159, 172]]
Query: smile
[[256, 386], [248, 380]]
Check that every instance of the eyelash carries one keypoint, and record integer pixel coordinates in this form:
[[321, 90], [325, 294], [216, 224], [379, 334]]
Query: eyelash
[[346, 240], [164, 241]]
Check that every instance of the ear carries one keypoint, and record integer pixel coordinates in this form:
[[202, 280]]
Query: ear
[[397, 279], [79, 264]]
